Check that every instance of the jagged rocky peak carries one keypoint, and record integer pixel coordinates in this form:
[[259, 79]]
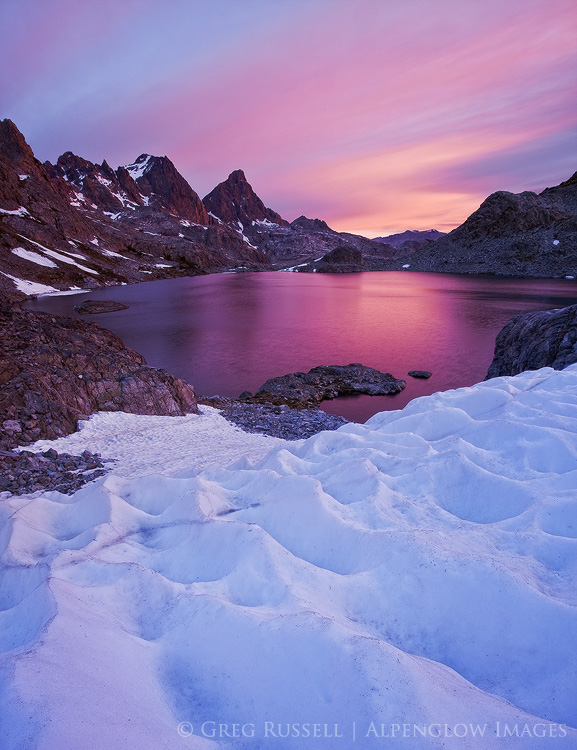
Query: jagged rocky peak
[[96, 185], [234, 200], [158, 179], [17, 165], [13, 146]]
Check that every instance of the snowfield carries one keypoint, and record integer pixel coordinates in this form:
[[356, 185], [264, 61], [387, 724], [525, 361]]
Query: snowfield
[[407, 583]]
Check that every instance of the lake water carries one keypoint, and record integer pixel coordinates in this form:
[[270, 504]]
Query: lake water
[[227, 333]]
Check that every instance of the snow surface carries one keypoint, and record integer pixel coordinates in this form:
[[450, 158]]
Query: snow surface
[[142, 444], [16, 212], [407, 583], [33, 257], [30, 287], [60, 256], [112, 254], [139, 168]]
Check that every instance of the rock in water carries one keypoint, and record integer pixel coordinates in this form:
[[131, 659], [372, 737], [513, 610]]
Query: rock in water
[[94, 306], [536, 339], [305, 389], [424, 374]]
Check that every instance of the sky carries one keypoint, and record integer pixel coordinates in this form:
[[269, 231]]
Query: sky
[[374, 115]]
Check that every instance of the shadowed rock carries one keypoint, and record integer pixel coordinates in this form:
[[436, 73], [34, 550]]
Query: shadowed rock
[[534, 340]]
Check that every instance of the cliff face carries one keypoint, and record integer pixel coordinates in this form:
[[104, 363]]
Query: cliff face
[[534, 340]]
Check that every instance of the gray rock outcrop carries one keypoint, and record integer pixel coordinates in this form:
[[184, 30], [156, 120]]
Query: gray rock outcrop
[[536, 339], [307, 389]]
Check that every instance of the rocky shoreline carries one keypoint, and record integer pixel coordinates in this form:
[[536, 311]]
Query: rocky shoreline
[[23, 472], [275, 420]]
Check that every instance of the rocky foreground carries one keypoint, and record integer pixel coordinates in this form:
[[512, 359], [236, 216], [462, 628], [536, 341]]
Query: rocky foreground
[[25, 472], [55, 371]]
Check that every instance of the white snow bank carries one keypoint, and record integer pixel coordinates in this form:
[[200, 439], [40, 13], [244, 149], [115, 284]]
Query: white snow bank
[[408, 583], [141, 444], [30, 287], [60, 255], [139, 168]]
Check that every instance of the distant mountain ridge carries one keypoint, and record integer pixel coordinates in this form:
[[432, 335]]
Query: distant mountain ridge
[[80, 225], [396, 240], [76, 224]]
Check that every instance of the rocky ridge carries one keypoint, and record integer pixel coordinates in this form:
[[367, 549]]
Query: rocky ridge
[[410, 236], [76, 224], [525, 234], [303, 243]]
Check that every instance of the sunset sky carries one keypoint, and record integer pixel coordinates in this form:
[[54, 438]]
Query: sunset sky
[[375, 115]]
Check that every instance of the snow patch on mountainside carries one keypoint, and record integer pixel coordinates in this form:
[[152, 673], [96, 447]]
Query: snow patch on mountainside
[[409, 582], [29, 287], [33, 257]]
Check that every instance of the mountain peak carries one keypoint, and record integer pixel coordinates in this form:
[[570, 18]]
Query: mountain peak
[[13, 145], [159, 179], [234, 200], [237, 175]]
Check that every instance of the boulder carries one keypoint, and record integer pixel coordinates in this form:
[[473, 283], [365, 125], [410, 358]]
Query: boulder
[[536, 339], [306, 389]]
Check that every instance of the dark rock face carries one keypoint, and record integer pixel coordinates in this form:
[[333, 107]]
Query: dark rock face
[[55, 371], [302, 389], [234, 200], [534, 340], [423, 374], [167, 189], [94, 306], [508, 214], [343, 259]]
